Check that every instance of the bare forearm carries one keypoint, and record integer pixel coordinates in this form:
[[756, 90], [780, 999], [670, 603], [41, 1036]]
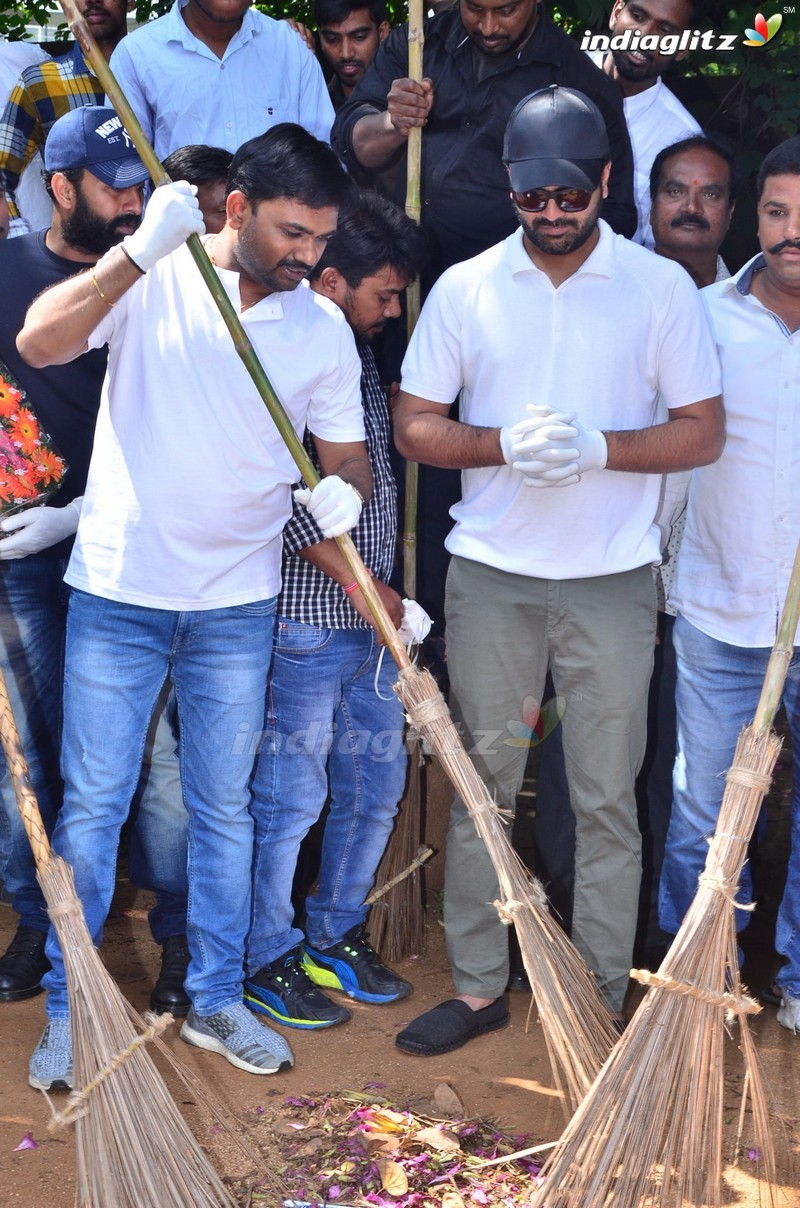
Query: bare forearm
[[60, 321], [375, 140], [680, 444], [437, 440], [328, 558]]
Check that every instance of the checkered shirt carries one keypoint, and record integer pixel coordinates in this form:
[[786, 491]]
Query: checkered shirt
[[308, 594], [45, 92]]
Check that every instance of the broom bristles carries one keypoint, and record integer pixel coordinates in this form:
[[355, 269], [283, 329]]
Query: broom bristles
[[134, 1149], [652, 1123]]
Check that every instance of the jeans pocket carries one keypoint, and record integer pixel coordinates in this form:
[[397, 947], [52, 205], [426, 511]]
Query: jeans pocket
[[296, 636], [257, 608]]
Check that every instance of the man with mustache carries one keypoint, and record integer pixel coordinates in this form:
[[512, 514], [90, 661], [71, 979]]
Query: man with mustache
[[742, 530], [349, 33], [96, 182], [692, 197], [334, 727], [176, 565], [48, 90], [654, 115], [562, 448]]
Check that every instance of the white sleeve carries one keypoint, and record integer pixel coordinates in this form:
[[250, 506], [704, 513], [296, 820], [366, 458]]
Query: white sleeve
[[688, 364], [314, 103], [335, 412], [123, 64], [433, 365]]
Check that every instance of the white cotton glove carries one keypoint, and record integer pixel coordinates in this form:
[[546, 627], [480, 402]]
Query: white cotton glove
[[38, 528], [172, 214], [531, 446], [416, 623], [333, 503], [580, 449]]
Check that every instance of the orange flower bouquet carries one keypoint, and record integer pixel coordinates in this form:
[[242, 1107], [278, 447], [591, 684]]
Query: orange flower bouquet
[[31, 468]]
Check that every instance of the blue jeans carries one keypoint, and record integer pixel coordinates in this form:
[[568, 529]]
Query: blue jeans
[[328, 733], [117, 659], [717, 693], [33, 619]]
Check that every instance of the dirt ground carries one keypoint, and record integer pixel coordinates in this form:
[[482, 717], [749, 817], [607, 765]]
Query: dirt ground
[[505, 1076]]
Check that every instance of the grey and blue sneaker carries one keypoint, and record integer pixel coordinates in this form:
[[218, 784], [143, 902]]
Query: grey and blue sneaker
[[50, 1066], [353, 967], [789, 1013], [235, 1034], [284, 991]]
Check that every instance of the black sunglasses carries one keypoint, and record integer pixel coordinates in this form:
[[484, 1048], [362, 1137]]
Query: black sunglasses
[[568, 200]]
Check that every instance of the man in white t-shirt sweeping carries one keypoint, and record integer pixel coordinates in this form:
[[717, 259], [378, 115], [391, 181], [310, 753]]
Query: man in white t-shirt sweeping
[[177, 560], [564, 341]]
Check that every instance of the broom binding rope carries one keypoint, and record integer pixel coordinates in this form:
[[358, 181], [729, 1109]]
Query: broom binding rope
[[578, 1037]]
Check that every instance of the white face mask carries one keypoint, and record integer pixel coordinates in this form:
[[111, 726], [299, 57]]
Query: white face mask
[[416, 623]]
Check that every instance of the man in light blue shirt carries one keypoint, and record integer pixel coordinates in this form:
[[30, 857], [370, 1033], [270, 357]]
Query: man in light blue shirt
[[218, 73]]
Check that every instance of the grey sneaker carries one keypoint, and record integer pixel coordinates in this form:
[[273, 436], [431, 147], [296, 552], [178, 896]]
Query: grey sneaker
[[240, 1039], [50, 1066], [789, 1013]]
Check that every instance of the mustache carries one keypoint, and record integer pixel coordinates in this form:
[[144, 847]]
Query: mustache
[[297, 265], [779, 247], [557, 222], [695, 220]]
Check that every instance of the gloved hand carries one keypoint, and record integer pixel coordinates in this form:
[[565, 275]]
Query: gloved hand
[[38, 528], [333, 503], [416, 624], [532, 446], [582, 448], [172, 214]]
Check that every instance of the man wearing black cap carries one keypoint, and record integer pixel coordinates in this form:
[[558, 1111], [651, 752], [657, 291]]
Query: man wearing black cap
[[563, 341], [95, 180]]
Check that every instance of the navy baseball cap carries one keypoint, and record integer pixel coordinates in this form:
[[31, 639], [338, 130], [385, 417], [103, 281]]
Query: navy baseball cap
[[93, 137], [555, 137]]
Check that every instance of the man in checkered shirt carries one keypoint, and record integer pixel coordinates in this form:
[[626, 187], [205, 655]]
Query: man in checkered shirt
[[334, 726], [46, 91]]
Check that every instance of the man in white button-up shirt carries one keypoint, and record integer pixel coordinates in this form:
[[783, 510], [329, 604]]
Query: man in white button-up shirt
[[742, 529], [217, 72]]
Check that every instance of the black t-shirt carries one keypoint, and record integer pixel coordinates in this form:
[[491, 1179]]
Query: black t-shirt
[[64, 398]]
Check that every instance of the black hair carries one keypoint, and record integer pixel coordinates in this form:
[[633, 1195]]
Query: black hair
[[372, 234], [333, 12], [289, 162], [706, 142], [198, 164], [783, 160], [697, 12], [73, 175]]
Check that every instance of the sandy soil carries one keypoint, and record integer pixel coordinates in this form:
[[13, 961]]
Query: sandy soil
[[505, 1076]]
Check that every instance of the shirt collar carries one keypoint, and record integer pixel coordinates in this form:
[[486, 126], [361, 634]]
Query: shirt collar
[[178, 31], [600, 263], [742, 281]]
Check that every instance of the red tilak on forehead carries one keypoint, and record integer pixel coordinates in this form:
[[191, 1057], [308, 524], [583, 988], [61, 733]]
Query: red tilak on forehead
[[695, 182]]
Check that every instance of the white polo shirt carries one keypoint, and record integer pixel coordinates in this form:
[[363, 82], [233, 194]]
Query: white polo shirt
[[655, 119], [626, 328], [189, 483], [743, 516], [182, 93]]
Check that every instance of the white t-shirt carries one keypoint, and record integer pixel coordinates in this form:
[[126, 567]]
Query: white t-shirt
[[626, 328], [182, 93], [656, 119], [188, 488], [743, 516]]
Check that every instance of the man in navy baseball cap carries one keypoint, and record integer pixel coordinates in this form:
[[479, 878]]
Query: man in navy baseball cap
[[95, 179], [93, 137]]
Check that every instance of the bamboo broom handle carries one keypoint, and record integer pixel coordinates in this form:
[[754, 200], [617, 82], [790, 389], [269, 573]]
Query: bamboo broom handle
[[781, 655], [416, 43], [244, 348], [18, 768]]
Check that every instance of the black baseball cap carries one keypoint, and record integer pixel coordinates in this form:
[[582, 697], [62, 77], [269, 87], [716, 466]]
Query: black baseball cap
[[93, 137], [555, 137]]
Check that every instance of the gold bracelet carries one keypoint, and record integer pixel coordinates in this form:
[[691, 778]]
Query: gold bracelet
[[96, 284]]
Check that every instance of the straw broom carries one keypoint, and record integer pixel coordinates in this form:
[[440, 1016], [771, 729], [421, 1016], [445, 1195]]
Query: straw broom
[[134, 1148], [652, 1123], [576, 1022], [397, 924]]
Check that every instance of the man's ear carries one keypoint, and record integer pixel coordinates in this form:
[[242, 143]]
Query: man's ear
[[237, 207], [615, 12], [604, 178], [64, 191], [384, 29], [331, 284]]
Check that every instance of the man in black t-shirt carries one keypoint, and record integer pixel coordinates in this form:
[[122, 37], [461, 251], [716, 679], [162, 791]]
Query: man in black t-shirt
[[97, 195]]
